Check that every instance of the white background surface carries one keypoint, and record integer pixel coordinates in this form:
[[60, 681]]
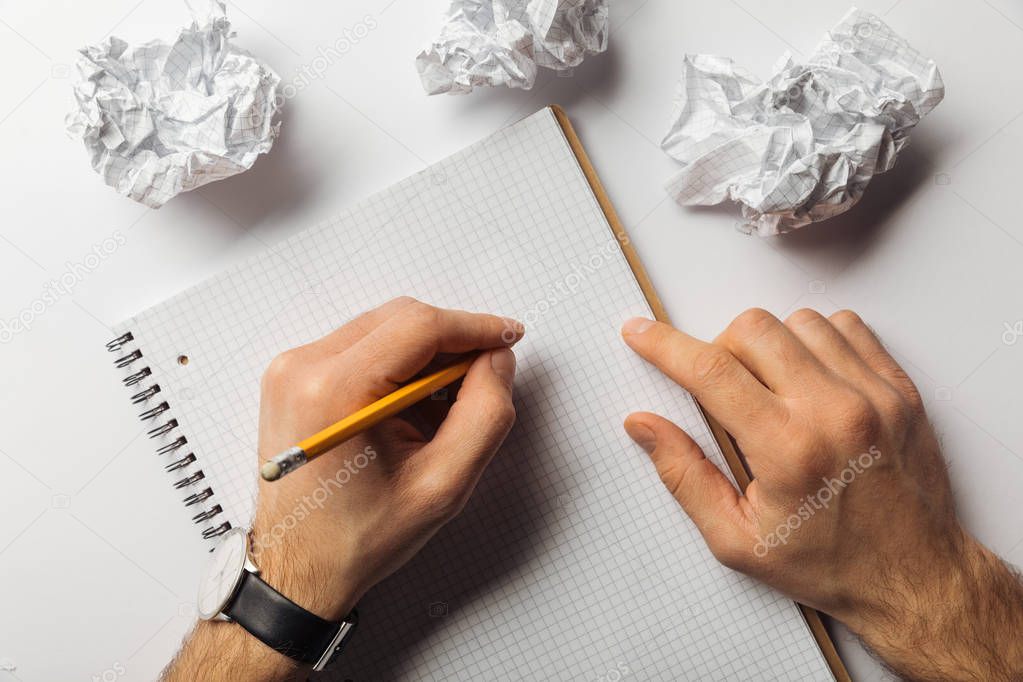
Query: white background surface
[[98, 562]]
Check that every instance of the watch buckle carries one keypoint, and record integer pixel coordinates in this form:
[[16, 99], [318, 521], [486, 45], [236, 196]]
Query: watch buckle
[[334, 646]]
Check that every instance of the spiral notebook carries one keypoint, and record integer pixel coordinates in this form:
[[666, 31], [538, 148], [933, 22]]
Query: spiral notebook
[[571, 560]]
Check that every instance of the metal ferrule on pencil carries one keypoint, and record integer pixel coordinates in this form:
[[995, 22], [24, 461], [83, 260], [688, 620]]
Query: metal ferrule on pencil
[[289, 460]]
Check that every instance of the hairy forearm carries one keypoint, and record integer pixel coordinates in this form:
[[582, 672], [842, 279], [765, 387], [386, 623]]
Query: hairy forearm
[[219, 651], [222, 651], [967, 625]]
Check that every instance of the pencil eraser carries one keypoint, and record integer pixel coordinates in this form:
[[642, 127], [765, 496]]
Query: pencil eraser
[[270, 471]]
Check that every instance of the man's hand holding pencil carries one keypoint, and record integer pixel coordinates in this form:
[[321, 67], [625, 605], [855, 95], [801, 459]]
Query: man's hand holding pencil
[[403, 479]]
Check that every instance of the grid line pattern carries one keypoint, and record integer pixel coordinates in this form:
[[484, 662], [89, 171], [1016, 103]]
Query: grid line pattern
[[571, 559]]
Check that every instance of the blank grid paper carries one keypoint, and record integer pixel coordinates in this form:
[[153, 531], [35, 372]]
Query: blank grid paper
[[571, 561]]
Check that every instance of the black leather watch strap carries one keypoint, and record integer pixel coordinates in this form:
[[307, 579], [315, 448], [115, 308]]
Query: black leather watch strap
[[280, 623]]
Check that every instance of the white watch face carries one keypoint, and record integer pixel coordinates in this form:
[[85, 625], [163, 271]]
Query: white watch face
[[223, 573]]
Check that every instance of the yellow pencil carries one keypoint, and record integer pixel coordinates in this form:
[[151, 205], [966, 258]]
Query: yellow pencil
[[361, 420]]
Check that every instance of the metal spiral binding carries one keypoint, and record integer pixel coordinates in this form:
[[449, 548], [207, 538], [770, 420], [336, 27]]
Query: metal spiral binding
[[189, 480], [180, 442], [196, 498], [211, 533], [208, 514], [165, 428], [137, 377], [154, 411], [182, 462], [145, 395]]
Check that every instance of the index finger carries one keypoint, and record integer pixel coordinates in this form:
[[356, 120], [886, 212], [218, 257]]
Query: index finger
[[349, 333], [405, 343], [743, 405]]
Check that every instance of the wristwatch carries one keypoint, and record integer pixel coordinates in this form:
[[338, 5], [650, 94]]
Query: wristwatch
[[231, 589]]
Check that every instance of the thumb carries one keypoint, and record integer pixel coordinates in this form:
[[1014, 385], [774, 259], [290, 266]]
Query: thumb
[[710, 499], [477, 423]]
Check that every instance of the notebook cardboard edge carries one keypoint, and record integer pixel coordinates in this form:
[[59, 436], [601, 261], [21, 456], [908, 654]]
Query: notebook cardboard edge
[[728, 448]]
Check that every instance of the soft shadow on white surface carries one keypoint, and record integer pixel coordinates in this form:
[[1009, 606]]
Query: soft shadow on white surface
[[482, 548], [844, 238], [275, 186]]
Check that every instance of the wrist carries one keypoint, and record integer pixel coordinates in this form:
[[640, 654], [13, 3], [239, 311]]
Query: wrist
[[317, 586], [899, 594], [946, 617], [221, 651]]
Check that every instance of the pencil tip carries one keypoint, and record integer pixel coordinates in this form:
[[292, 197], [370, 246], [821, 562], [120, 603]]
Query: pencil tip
[[270, 471]]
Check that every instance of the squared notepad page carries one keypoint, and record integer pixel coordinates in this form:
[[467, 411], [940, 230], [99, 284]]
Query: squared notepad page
[[571, 560]]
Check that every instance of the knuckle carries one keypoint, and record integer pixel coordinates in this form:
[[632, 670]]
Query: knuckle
[[673, 476], [711, 365], [751, 324], [502, 413], [911, 394], [280, 369], [401, 301], [847, 318], [895, 409], [881, 359], [804, 316], [437, 497], [496, 414], [897, 377], [806, 448], [659, 342], [422, 314], [858, 419]]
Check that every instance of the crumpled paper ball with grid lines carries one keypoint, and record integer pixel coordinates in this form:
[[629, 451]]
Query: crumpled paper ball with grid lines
[[505, 42], [803, 145], [160, 118]]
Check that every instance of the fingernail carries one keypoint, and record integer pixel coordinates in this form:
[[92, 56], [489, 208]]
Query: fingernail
[[643, 436], [503, 362], [636, 325]]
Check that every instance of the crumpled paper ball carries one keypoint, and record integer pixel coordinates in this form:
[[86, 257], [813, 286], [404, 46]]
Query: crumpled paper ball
[[803, 145], [162, 118], [504, 42]]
